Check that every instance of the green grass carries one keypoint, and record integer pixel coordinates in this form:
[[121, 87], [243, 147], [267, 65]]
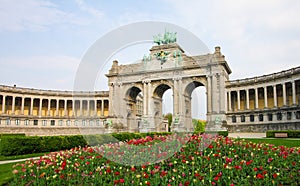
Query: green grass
[[6, 173], [276, 141], [16, 157]]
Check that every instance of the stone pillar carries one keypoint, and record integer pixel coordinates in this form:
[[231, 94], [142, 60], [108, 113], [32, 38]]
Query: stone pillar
[[40, 107], [102, 107], [294, 92], [88, 107], [256, 97], [238, 100], [31, 106], [49, 104], [13, 105], [247, 99], [22, 105], [3, 104], [175, 97], [149, 90], [229, 101], [145, 98], [266, 96], [57, 107], [73, 107], [180, 97], [209, 98], [275, 95], [284, 94], [80, 107], [95, 108], [65, 107]]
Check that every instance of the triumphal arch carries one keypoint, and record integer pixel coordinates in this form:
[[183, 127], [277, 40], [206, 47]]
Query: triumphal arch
[[167, 67]]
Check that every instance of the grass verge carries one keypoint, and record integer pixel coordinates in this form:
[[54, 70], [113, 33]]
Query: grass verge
[[295, 142], [6, 173], [17, 157]]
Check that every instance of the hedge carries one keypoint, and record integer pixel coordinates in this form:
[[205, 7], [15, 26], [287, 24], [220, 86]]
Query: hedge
[[290, 133], [19, 144]]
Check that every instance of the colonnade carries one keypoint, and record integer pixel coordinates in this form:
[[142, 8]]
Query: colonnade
[[263, 96], [55, 107]]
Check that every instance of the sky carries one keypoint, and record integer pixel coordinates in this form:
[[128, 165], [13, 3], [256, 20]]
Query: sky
[[42, 42]]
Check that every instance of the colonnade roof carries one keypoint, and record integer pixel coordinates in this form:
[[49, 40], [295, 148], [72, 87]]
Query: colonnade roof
[[32, 91], [285, 74]]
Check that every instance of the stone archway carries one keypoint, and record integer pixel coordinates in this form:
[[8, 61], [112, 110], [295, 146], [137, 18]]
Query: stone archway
[[189, 88], [132, 97], [154, 75]]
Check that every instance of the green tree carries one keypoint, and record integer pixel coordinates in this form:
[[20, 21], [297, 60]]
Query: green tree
[[169, 116], [199, 125]]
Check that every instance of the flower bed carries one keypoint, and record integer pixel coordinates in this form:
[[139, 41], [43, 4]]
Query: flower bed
[[221, 161]]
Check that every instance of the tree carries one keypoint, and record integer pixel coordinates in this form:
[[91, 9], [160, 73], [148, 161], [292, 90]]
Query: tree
[[169, 116], [199, 125]]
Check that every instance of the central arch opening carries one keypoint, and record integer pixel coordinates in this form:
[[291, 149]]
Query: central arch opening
[[163, 107], [134, 106], [196, 105]]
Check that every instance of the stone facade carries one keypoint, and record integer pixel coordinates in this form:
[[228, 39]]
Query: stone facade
[[134, 100]]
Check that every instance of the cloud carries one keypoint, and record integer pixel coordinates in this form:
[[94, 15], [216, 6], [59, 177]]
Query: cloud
[[28, 15], [89, 9], [38, 15], [47, 72], [257, 37]]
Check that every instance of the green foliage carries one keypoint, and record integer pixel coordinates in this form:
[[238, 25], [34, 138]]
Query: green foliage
[[169, 116], [291, 133], [17, 145], [199, 125], [223, 133]]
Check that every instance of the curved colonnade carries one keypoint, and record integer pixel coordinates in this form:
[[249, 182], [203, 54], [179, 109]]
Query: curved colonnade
[[269, 102], [48, 112]]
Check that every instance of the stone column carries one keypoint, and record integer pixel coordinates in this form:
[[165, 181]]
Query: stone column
[[49, 104], [31, 106], [22, 105], [95, 107], [284, 94], [57, 107], [209, 98], [275, 95], [256, 97], [13, 105], [180, 96], [3, 104], [238, 100], [88, 107], [247, 99], [65, 107], [229, 101], [40, 107], [175, 98], [266, 96], [145, 98], [80, 107], [294, 92], [149, 90], [102, 107], [73, 107]]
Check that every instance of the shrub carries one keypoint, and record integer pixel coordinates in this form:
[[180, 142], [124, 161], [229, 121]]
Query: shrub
[[291, 133]]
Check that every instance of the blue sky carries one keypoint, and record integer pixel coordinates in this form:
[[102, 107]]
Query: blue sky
[[42, 41]]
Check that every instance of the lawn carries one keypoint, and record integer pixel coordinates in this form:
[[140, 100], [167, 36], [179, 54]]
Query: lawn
[[198, 160], [6, 173], [288, 142], [17, 157]]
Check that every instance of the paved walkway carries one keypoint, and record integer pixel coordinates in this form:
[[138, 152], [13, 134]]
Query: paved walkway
[[247, 135], [15, 161]]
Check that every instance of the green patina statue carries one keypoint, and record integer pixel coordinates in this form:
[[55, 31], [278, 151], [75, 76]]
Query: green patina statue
[[167, 38]]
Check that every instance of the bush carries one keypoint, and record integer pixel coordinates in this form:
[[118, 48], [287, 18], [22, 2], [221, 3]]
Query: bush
[[291, 133], [21, 144]]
